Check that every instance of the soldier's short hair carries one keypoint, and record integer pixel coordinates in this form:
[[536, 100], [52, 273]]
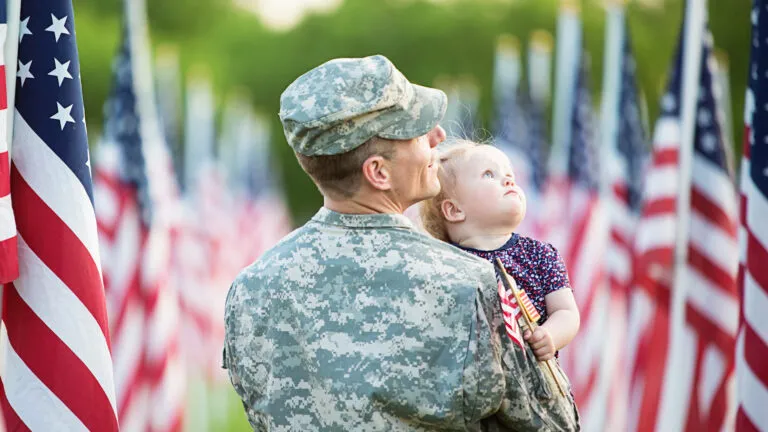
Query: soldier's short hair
[[339, 176]]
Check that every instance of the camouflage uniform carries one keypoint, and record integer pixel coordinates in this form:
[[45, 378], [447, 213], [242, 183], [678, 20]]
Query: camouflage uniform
[[361, 323]]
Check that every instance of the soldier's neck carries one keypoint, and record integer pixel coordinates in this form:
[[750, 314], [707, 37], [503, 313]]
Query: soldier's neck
[[371, 204]]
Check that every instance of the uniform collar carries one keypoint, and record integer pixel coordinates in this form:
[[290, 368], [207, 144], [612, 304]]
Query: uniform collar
[[375, 220]]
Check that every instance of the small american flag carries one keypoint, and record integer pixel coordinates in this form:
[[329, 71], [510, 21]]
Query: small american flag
[[512, 314], [752, 348], [530, 309], [58, 369]]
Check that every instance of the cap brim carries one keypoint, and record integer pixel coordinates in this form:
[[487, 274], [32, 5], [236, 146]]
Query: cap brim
[[424, 113]]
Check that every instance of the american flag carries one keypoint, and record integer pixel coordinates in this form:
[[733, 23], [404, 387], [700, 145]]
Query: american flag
[[209, 233], [752, 348], [9, 264], [583, 248], [135, 205], [623, 206], [58, 369], [697, 393], [511, 313]]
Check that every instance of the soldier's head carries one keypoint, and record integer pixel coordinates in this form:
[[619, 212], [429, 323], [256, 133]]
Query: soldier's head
[[358, 127]]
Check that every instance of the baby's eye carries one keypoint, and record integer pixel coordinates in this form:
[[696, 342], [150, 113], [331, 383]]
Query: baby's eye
[[488, 174]]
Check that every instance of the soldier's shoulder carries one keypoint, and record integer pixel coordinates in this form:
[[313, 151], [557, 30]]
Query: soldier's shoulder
[[268, 260], [451, 255]]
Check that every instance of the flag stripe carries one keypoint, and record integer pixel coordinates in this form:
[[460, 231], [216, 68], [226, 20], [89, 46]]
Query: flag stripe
[[662, 181], [12, 421], [3, 93], [755, 354], [754, 395], [756, 217], [714, 194], [7, 224], [701, 263], [84, 279], [55, 185], [757, 256], [755, 305], [5, 186], [37, 344], [45, 294], [661, 208], [726, 314], [32, 400], [743, 423]]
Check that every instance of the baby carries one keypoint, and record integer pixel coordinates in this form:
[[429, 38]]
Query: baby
[[478, 210]]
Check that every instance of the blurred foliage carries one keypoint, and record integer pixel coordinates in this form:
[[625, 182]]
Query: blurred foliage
[[424, 39]]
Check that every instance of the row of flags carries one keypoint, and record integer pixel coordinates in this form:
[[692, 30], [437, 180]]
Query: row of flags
[[114, 288], [671, 325], [114, 284]]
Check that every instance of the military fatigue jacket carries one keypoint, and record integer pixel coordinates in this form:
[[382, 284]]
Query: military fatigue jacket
[[360, 323]]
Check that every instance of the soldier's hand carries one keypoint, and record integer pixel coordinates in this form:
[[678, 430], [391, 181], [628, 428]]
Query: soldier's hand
[[541, 342]]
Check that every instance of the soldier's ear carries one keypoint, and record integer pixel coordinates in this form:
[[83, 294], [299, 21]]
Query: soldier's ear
[[451, 211], [377, 173]]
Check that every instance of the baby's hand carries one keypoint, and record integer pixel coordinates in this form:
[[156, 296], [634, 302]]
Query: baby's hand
[[541, 342]]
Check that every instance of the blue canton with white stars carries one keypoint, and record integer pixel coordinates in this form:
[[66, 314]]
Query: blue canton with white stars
[[632, 141], [537, 140], [759, 84], [583, 157], [708, 141], [122, 126], [49, 95]]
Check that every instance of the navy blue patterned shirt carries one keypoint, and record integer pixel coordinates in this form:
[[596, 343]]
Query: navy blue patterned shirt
[[536, 266]]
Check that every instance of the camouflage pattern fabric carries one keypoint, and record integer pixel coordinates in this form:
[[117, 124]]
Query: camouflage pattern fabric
[[341, 104], [360, 323]]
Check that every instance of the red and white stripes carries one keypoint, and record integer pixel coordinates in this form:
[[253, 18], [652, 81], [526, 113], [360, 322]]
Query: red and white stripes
[[649, 298], [58, 371], [584, 254], [511, 313]]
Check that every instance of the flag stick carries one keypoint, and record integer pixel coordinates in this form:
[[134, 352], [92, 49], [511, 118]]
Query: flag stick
[[511, 285]]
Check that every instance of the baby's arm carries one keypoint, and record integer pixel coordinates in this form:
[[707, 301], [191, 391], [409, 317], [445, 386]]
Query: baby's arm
[[559, 329], [564, 320]]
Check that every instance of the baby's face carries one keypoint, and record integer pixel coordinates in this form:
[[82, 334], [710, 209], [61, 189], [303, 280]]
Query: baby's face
[[486, 190]]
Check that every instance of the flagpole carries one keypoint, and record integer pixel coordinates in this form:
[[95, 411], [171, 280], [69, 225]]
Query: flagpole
[[674, 396], [609, 116], [723, 98], [568, 62], [615, 34], [540, 66]]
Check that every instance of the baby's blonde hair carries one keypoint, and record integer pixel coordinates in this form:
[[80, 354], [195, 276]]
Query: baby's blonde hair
[[431, 213]]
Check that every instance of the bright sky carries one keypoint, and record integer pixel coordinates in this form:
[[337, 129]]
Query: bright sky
[[284, 14]]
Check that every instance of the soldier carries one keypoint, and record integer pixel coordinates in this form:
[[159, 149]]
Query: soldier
[[357, 322]]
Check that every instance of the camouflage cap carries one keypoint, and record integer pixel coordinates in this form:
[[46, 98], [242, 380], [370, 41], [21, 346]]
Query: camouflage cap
[[341, 104]]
